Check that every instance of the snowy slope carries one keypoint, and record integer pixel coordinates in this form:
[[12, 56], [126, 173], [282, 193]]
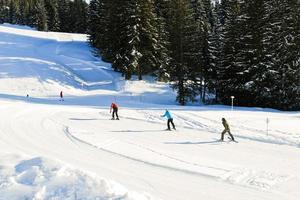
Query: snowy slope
[[71, 150]]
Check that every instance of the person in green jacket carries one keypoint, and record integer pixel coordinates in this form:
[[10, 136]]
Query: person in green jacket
[[226, 130]]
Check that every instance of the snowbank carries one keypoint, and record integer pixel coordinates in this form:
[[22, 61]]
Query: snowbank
[[39, 178]]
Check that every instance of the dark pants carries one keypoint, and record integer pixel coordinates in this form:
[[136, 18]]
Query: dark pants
[[115, 112], [226, 131], [170, 121]]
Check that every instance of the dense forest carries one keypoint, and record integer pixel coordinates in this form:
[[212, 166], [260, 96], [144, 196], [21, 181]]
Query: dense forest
[[207, 51], [246, 49], [46, 15]]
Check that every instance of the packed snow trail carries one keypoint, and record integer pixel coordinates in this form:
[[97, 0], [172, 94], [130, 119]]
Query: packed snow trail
[[71, 150], [144, 161]]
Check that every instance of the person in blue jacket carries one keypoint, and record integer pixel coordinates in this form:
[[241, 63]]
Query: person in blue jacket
[[170, 119]]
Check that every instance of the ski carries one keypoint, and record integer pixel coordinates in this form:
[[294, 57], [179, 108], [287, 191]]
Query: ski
[[230, 140]]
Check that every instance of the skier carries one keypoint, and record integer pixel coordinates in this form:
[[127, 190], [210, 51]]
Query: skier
[[170, 120], [114, 107], [227, 129], [61, 96]]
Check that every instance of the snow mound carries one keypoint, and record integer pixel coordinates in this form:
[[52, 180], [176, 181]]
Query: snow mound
[[39, 178]]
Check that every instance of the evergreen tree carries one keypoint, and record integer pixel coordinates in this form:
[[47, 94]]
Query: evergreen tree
[[52, 14], [100, 28], [64, 15], [14, 12], [150, 43], [204, 20], [22, 13], [39, 15], [78, 11], [184, 37], [93, 21], [163, 52], [128, 55], [215, 47], [31, 14], [4, 11], [232, 74], [126, 33], [115, 35], [250, 55], [279, 80]]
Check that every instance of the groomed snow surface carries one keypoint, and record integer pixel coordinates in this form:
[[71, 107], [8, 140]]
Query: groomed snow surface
[[57, 150]]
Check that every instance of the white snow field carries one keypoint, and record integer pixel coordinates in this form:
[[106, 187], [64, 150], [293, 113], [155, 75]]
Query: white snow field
[[54, 150]]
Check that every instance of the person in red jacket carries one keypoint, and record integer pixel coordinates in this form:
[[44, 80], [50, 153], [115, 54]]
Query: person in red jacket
[[114, 107]]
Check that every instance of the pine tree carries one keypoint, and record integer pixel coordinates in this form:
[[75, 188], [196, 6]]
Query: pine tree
[[232, 75], [78, 11], [279, 82], [149, 43], [162, 53], [126, 34], [22, 12], [64, 15], [52, 14], [203, 17], [215, 47], [105, 18], [128, 55], [184, 37], [31, 14], [115, 35], [39, 15], [100, 28], [4, 11], [14, 12], [94, 18], [250, 53]]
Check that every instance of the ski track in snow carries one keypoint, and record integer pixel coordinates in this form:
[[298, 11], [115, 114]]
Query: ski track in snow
[[258, 179], [198, 122], [234, 176]]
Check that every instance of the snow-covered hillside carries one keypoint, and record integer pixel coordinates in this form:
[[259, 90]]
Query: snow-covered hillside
[[72, 150]]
